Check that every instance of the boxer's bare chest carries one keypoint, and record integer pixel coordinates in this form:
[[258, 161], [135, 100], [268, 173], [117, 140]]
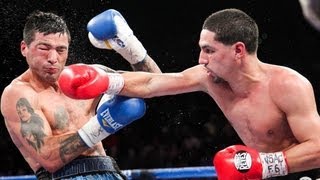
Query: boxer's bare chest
[[64, 114], [257, 119]]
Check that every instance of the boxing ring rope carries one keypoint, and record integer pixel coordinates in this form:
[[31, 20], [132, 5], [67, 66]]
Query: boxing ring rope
[[160, 173]]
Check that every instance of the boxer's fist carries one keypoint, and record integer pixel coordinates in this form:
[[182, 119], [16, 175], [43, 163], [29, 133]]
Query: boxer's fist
[[109, 30], [81, 81], [120, 111], [112, 115], [240, 162]]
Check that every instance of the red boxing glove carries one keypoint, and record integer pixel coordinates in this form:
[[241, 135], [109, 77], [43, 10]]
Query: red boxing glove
[[239, 162], [81, 81]]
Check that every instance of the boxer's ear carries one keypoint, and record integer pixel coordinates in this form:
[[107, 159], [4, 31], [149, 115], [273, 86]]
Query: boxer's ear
[[239, 50], [23, 48]]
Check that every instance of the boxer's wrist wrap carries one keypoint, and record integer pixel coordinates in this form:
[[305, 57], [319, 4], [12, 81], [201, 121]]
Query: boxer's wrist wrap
[[92, 132], [116, 83], [273, 164], [131, 49]]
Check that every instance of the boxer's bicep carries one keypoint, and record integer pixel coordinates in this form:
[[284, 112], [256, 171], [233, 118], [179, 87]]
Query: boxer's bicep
[[296, 99], [33, 125], [26, 125]]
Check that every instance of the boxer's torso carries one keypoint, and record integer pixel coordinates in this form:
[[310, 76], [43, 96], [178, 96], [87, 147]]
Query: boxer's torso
[[256, 117], [62, 114]]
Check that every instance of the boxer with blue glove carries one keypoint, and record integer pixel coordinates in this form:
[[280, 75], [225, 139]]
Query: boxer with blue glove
[[112, 115], [58, 136], [109, 30]]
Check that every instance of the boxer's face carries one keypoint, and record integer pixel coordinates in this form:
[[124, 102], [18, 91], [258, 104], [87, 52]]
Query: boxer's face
[[23, 113], [46, 55], [216, 56]]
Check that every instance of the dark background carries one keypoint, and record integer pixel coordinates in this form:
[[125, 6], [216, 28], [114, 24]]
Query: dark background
[[177, 131]]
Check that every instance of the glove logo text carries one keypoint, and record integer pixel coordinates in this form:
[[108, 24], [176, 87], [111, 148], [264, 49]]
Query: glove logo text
[[274, 164], [119, 42], [242, 161], [107, 120]]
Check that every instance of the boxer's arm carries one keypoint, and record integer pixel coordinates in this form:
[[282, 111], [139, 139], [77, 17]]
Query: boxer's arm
[[32, 134], [295, 97], [146, 85], [146, 65]]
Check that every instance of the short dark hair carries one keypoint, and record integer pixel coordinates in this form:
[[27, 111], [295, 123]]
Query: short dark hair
[[44, 22], [23, 102], [233, 25]]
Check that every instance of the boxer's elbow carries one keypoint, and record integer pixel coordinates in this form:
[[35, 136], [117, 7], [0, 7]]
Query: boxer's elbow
[[50, 158], [51, 167]]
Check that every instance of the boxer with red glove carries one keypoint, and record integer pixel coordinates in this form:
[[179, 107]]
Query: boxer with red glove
[[240, 162], [81, 81]]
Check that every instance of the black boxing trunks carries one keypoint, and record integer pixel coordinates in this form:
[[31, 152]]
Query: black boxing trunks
[[93, 166]]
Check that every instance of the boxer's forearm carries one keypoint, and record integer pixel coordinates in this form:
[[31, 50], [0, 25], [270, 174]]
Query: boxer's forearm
[[147, 85], [59, 150], [304, 156]]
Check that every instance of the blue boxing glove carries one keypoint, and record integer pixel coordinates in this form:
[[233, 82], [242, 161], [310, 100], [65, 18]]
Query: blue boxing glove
[[109, 30], [113, 114]]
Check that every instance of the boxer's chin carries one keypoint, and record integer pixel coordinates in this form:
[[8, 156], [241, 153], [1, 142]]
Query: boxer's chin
[[216, 79]]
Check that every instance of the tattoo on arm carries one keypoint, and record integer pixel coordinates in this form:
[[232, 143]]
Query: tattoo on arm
[[32, 126], [147, 65], [105, 68], [70, 147], [142, 66]]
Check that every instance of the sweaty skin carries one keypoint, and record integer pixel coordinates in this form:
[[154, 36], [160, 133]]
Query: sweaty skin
[[272, 108], [41, 120]]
